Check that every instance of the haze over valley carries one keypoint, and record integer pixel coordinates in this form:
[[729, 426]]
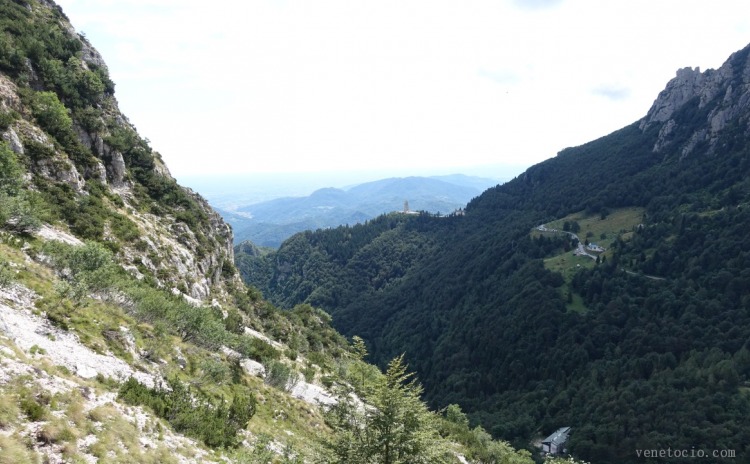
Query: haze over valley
[[268, 223]]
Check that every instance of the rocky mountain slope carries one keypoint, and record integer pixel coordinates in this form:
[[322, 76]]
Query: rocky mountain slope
[[638, 344], [76, 145], [722, 98]]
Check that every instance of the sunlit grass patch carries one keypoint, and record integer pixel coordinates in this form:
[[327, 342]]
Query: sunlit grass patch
[[13, 451]]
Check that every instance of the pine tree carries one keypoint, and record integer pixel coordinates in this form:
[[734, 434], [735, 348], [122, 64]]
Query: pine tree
[[393, 426]]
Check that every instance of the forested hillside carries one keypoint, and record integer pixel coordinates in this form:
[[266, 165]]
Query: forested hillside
[[643, 346]]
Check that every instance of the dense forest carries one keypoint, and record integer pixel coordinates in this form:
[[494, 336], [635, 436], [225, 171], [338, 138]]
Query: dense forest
[[656, 353]]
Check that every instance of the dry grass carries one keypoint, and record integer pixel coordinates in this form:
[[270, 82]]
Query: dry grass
[[9, 410], [12, 451], [117, 436], [103, 412], [57, 431]]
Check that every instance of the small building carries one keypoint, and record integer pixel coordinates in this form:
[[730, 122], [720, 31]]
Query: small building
[[557, 442], [595, 247]]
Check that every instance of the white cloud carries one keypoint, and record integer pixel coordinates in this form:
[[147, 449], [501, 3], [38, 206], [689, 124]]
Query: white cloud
[[279, 85], [536, 4], [613, 92]]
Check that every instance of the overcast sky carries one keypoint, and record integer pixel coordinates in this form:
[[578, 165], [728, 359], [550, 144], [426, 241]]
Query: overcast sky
[[426, 86]]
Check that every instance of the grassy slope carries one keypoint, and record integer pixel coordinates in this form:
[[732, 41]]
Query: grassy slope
[[602, 231]]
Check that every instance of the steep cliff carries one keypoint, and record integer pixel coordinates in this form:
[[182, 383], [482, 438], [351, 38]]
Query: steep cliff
[[717, 98]]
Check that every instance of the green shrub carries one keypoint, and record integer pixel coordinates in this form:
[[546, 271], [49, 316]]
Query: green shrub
[[7, 276], [327, 381], [254, 348], [90, 266], [260, 453], [215, 371], [10, 171], [18, 209], [7, 118], [309, 373], [235, 370], [52, 115], [89, 118], [234, 322], [34, 410], [281, 376], [228, 270], [317, 358], [88, 258], [193, 412]]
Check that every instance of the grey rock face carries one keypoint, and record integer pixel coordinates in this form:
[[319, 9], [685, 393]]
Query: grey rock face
[[55, 168], [112, 161], [91, 56], [678, 91], [723, 93], [116, 169], [9, 99], [62, 170], [11, 137]]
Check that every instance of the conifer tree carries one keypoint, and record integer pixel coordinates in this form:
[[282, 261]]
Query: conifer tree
[[393, 426]]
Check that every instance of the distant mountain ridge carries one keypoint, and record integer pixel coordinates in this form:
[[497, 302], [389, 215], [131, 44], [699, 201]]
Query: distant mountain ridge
[[271, 222], [639, 346]]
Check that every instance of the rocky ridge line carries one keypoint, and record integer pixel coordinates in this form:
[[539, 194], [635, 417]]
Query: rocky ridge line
[[723, 93]]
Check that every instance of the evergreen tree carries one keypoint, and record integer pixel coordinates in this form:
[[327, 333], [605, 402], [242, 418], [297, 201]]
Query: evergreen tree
[[393, 426]]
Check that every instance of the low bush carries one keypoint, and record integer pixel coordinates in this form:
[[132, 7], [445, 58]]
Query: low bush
[[7, 276], [281, 376], [193, 413], [34, 410]]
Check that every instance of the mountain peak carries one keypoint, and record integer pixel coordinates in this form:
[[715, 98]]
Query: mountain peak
[[696, 106], [678, 91]]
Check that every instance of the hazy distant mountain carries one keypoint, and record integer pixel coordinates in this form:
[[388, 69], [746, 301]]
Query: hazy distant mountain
[[480, 183], [269, 223]]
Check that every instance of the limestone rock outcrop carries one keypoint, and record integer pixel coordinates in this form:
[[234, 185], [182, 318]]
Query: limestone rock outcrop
[[719, 98]]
